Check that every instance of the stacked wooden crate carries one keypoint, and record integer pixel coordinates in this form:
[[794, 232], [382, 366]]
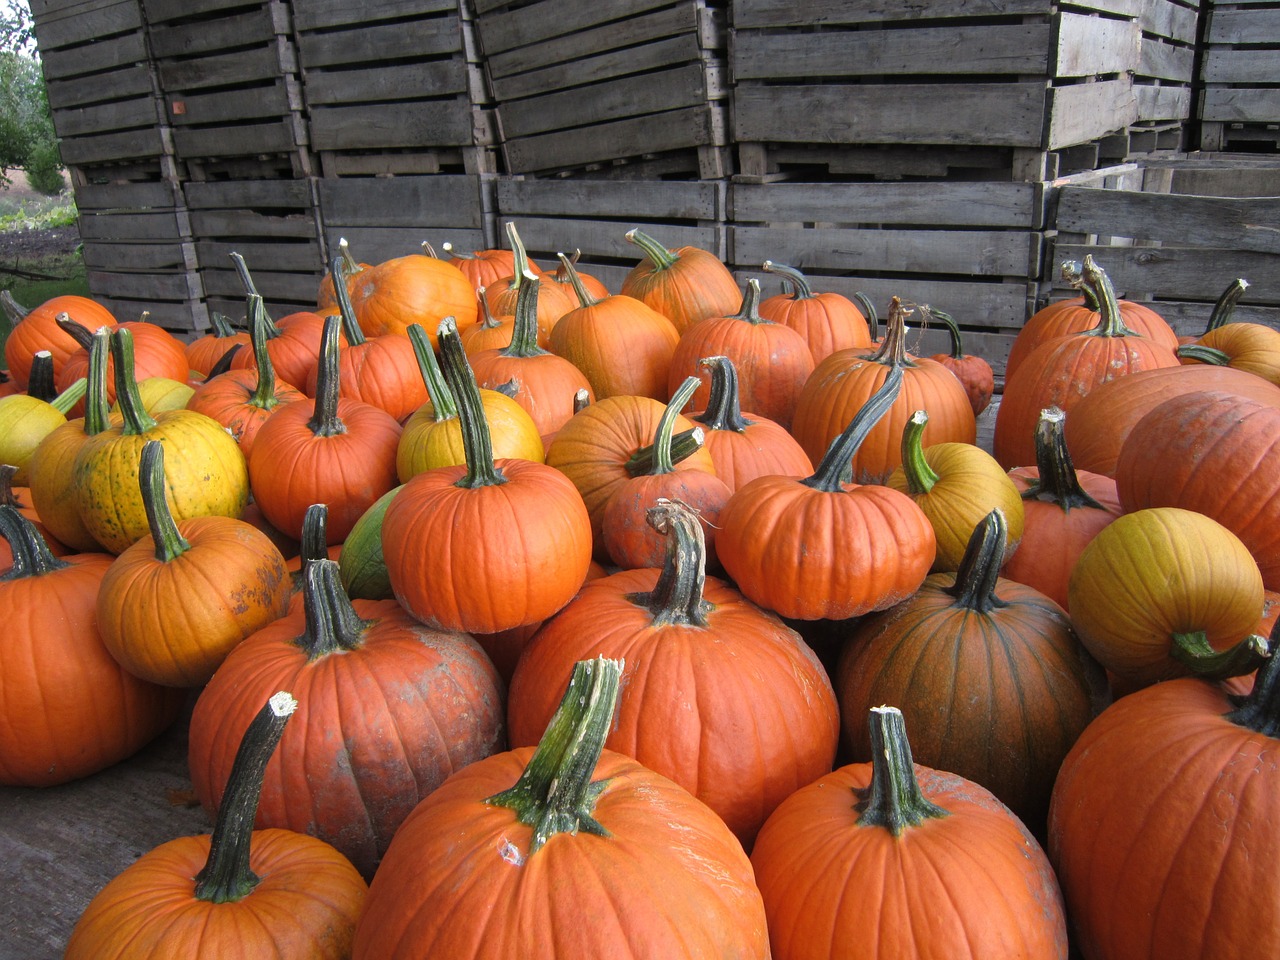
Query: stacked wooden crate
[[138, 246], [630, 88], [1240, 103], [1163, 81]]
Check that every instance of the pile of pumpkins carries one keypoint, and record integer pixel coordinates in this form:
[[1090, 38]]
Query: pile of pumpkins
[[527, 619]]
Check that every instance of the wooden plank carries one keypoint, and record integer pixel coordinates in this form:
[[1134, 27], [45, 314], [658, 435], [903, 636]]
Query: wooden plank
[[657, 133], [237, 194], [426, 123], [88, 23], [1166, 61], [207, 37], [382, 82], [163, 11], [1092, 45], [242, 67], [104, 54], [787, 13], [374, 244], [231, 107], [578, 72], [1241, 105], [248, 223], [250, 139], [973, 205], [319, 14], [1243, 25], [1021, 48], [111, 147], [145, 286], [374, 43], [144, 226], [283, 257], [1162, 103], [980, 114], [123, 84], [1086, 111], [445, 200], [107, 197], [655, 200], [296, 287], [1172, 21], [1229, 65], [107, 117], [546, 236], [137, 257], [1181, 273], [542, 21]]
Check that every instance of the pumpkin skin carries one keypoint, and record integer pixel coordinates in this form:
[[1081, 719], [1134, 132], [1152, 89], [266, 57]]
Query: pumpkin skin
[[39, 330], [1217, 454], [684, 285], [911, 894], [205, 352], [1161, 816], [1251, 347], [52, 646], [413, 289], [661, 875], [827, 321], [156, 353], [974, 373]]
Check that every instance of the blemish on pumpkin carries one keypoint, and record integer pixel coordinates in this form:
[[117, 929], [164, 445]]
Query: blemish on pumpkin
[[510, 853]]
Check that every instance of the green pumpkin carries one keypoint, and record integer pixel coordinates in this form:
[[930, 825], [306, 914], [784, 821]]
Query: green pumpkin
[[361, 566]]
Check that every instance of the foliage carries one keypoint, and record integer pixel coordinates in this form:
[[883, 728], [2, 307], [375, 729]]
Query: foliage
[[27, 138]]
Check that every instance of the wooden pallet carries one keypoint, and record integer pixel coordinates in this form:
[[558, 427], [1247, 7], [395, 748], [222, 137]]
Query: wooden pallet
[[561, 215], [579, 83], [394, 87], [1173, 235], [1240, 103], [1166, 70]]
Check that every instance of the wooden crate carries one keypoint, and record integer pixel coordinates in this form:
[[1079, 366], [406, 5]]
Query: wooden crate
[[1240, 103], [394, 87], [561, 215], [386, 217], [1024, 83], [1174, 234], [973, 249], [274, 225], [580, 84], [1163, 82], [228, 75]]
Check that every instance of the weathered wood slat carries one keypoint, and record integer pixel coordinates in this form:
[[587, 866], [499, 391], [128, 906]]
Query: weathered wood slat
[[1178, 273], [164, 11], [382, 82], [281, 257], [1229, 65], [577, 73], [972, 205], [374, 244], [107, 117], [233, 107], [655, 200], [1243, 25], [318, 14], [248, 223], [104, 54], [243, 67], [136, 257], [546, 236], [86, 23], [273, 285], [373, 43], [1166, 61], [238, 194], [539, 22], [126, 227], [250, 139], [112, 147], [1241, 105], [128, 196], [122, 84], [211, 36], [1084, 111], [787, 13], [1092, 45], [1173, 21], [424, 123], [403, 202], [1163, 103], [145, 286]]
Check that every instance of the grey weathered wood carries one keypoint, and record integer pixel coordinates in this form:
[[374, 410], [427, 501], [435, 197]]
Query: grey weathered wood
[[983, 114], [181, 285], [112, 147], [403, 202], [1085, 111], [578, 72], [87, 22], [971, 205], [249, 223], [1162, 103], [163, 11], [234, 107], [654, 200], [1020, 48], [104, 54], [317, 14], [787, 13], [1241, 105], [1173, 21], [382, 82], [1243, 25], [152, 225], [553, 18], [426, 123], [122, 84], [1093, 45], [128, 196], [1166, 61], [212, 36], [140, 256], [282, 257], [280, 136], [373, 43], [267, 62], [1178, 273], [273, 285], [374, 244], [239, 194], [1230, 65], [107, 117], [607, 238]]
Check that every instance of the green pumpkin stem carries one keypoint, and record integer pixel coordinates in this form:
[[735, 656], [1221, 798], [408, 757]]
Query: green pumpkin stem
[[749, 311], [438, 391], [313, 544], [920, 476], [1260, 709], [350, 325], [40, 381], [332, 622], [1202, 354], [1194, 652], [251, 290], [835, 462], [1110, 321], [226, 876], [663, 458], [349, 266], [325, 421], [1226, 304], [524, 332], [953, 332], [662, 258], [264, 392], [97, 411], [683, 445], [677, 597], [869, 313], [724, 410], [894, 801], [477, 442], [555, 794], [136, 419], [221, 324], [979, 571], [519, 256], [585, 297], [799, 282], [169, 541], [31, 554], [69, 397], [1058, 481]]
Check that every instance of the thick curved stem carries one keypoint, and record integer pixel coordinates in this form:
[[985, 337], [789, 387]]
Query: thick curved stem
[[1058, 481], [1260, 711], [31, 554], [920, 476], [438, 391], [168, 540], [136, 419], [477, 442], [325, 421], [799, 282], [839, 455], [662, 258], [97, 411], [264, 392], [953, 332], [1202, 354], [585, 297], [894, 801], [724, 410], [251, 290], [332, 622], [1226, 304], [350, 325], [869, 313], [662, 460], [1193, 651], [1110, 323], [524, 333], [749, 311], [979, 572], [677, 596]]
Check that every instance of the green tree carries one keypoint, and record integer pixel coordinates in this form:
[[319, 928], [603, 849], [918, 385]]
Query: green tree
[[27, 138]]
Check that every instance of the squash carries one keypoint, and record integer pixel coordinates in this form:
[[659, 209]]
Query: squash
[[684, 285], [827, 321]]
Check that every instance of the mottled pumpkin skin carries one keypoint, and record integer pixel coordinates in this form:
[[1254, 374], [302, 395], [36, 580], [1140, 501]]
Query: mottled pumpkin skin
[[24, 423], [205, 475], [305, 907], [669, 880], [427, 443], [972, 885], [1072, 316], [1161, 826], [52, 482]]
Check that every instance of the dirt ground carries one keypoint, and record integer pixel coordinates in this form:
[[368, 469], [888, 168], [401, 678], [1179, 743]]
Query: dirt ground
[[25, 245]]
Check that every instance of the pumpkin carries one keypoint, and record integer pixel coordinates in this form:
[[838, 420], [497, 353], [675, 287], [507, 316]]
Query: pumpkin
[[564, 276], [974, 373], [38, 330], [1223, 310], [1251, 347], [177, 601], [1217, 454], [20, 499], [1162, 813], [67, 708], [502, 295], [293, 341], [684, 285], [334, 450], [766, 721], [827, 321], [1164, 592], [413, 289], [26, 419], [488, 331], [389, 709], [204, 352], [483, 267], [1063, 509], [490, 545], [744, 446], [1015, 693], [956, 485], [819, 548], [156, 353], [237, 891], [205, 475], [773, 360], [891, 860], [523, 854], [326, 298], [844, 381]]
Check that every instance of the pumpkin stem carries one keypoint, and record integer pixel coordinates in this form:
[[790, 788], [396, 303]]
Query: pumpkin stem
[[839, 455], [893, 348], [251, 290], [524, 332], [870, 312], [136, 419], [555, 793], [313, 545], [349, 266], [1110, 322], [683, 445], [953, 331], [169, 541], [428, 250], [663, 459], [749, 311], [724, 409], [663, 259], [7, 497], [979, 572], [1260, 711], [1058, 481], [799, 282], [221, 324], [31, 554], [40, 382], [438, 391], [585, 297], [69, 397], [677, 597], [332, 622], [97, 413], [1072, 272], [12, 309], [1226, 304], [1202, 354], [325, 421], [477, 442], [920, 475], [74, 329], [226, 876], [894, 800], [264, 393], [1193, 651], [520, 257], [350, 325]]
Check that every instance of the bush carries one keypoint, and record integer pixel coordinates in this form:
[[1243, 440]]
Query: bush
[[27, 139], [44, 169]]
